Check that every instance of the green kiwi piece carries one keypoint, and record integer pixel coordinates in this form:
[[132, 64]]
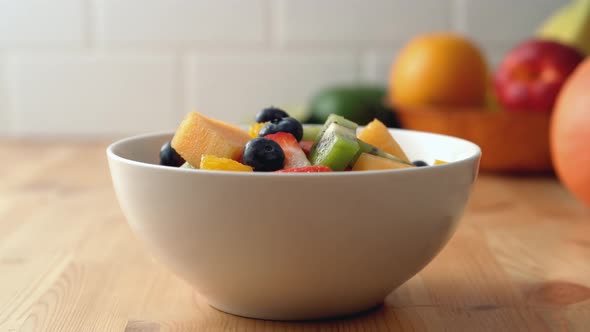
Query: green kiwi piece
[[336, 148]]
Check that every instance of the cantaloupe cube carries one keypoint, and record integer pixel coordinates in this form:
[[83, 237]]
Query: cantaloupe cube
[[377, 134], [199, 135], [369, 162]]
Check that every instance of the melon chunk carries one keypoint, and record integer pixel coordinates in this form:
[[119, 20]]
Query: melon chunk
[[199, 135], [377, 134], [369, 162]]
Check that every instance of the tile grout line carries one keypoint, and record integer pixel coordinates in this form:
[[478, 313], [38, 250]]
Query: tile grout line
[[274, 18], [458, 15], [4, 110], [180, 104], [89, 20], [6, 101]]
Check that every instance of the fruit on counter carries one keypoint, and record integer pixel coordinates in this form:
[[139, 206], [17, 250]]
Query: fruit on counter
[[531, 75], [569, 25], [439, 162], [283, 125], [336, 148], [169, 156], [199, 135], [369, 162], [264, 155], [294, 155], [439, 69], [377, 134], [270, 114], [209, 162], [570, 134], [358, 103], [307, 169]]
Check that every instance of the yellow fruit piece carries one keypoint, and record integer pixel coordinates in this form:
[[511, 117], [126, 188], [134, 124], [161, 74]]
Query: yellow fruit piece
[[377, 134], [439, 162], [255, 129], [369, 162], [223, 164], [569, 25], [198, 135], [439, 69]]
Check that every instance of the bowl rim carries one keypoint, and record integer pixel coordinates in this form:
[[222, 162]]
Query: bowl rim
[[112, 155]]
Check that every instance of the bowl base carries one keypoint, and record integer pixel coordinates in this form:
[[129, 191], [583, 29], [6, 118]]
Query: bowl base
[[298, 316]]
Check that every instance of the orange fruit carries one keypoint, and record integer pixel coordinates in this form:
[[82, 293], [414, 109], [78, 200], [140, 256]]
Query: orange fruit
[[439, 69], [570, 133]]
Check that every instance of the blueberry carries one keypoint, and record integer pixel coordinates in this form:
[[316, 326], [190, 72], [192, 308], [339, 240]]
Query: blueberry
[[169, 156], [264, 155], [419, 163], [283, 125], [269, 114]]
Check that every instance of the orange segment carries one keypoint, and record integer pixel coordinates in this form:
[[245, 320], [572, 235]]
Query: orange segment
[[223, 164], [255, 129], [377, 134], [198, 135], [369, 162]]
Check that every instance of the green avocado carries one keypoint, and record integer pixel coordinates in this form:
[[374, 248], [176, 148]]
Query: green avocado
[[357, 103]]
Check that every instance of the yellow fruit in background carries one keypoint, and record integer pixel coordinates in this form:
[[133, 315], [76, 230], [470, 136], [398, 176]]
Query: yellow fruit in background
[[439, 69]]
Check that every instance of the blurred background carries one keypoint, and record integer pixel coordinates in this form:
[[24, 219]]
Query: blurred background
[[99, 68]]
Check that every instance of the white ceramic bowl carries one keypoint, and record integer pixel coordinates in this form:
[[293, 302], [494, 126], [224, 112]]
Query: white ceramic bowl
[[295, 246]]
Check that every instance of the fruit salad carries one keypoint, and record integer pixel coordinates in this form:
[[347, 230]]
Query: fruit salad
[[276, 142]]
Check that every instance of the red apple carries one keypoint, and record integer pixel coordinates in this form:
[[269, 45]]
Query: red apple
[[531, 75]]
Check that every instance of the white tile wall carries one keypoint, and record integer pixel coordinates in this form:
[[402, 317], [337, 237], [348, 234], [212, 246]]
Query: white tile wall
[[81, 67], [360, 20], [41, 23], [4, 116], [176, 21], [376, 64], [226, 85], [86, 94]]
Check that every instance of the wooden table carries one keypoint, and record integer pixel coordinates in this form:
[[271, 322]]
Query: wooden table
[[520, 261]]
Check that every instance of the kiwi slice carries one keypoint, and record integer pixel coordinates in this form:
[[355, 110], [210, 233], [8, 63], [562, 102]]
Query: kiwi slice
[[333, 118], [371, 149], [336, 148]]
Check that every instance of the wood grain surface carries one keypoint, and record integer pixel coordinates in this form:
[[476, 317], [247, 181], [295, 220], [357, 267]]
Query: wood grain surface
[[520, 261]]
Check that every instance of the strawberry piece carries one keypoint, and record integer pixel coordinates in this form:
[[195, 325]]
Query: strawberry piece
[[306, 146], [308, 169], [294, 155]]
